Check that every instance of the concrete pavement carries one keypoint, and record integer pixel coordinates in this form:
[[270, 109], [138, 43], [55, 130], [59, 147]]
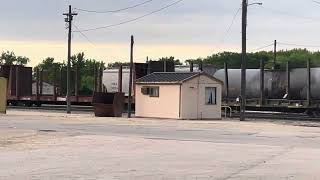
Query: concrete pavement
[[79, 146]]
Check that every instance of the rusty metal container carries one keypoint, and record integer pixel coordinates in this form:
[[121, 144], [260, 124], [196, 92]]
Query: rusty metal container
[[19, 79], [108, 104]]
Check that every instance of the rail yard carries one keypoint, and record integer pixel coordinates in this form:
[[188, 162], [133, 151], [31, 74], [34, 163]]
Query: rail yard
[[160, 90], [268, 90]]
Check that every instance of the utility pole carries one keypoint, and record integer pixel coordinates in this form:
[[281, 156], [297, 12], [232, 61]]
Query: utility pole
[[274, 55], [68, 19], [273, 83], [131, 76], [243, 60]]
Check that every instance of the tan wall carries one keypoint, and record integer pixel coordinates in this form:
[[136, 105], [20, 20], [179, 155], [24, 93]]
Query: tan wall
[[193, 104], [164, 106], [3, 95]]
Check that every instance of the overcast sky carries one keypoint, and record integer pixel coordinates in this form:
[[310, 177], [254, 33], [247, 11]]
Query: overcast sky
[[190, 29]]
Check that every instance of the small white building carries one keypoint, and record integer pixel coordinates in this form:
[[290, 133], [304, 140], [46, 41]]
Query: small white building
[[194, 95]]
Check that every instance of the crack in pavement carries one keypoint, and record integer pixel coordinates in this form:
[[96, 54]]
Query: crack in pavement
[[258, 163]]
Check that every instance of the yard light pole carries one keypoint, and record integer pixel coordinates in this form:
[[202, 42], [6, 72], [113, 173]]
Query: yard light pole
[[244, 58]]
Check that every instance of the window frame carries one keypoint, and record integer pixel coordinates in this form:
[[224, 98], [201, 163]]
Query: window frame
[[214, 103], [158, 91], [149, 91]]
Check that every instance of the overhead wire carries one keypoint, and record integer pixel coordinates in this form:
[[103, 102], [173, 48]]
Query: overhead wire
[[298, 45], [131, 20], [262, 47], [116, 10], [286, 44], [84, 35], [316, 2], [88, 39], [225, 36], [232, 23], [291, 15]]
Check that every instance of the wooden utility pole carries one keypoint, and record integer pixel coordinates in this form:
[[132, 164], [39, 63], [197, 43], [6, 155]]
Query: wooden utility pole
[[273, 79], [68, 19], [274, 55], [131, 76], [243, 60]]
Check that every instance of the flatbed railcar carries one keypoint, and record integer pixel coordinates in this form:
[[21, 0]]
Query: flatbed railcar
[[23, 90]]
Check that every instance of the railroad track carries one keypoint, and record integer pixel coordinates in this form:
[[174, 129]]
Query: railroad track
[[277, 115], [54, 108], [250, 115]]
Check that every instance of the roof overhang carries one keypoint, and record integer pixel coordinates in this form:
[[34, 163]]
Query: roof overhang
[[158, 83]]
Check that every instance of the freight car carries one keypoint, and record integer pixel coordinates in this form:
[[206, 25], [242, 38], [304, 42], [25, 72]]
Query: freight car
[[275, 83], [24, 90], [111, 77], [293, 90], [117, 79]]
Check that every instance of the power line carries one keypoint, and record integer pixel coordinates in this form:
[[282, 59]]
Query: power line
[[85, 36], [131, 20], [298, 45], [114, 11], [231, 24], [233, 20], [88, 39], [291, 15], [316, 2], [263, 47]]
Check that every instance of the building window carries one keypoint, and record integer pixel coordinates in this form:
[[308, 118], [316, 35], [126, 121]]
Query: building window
[[211, 96], [151, 91], [154, 91]]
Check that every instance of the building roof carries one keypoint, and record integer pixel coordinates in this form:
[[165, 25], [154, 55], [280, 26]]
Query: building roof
[[171, 77]]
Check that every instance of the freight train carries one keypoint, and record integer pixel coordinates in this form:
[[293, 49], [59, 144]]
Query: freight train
[[293, 90], [296, 89]]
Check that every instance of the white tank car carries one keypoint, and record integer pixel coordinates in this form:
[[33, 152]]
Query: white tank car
[[110, 80], [111, 76]]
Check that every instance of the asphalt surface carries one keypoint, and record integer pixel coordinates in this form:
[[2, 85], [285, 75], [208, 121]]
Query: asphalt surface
[[47, 145]]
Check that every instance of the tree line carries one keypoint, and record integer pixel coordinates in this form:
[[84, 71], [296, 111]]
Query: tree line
[[57, 71], [9, 58], [50, 66], [297, 58]]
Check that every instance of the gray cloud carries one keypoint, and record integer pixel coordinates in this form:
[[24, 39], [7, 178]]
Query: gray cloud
[[191, 22]]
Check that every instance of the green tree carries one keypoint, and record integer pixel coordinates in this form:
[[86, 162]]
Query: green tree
[[9, 58], [86, 72], [118, 64], [171, 58], [50, 69]]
